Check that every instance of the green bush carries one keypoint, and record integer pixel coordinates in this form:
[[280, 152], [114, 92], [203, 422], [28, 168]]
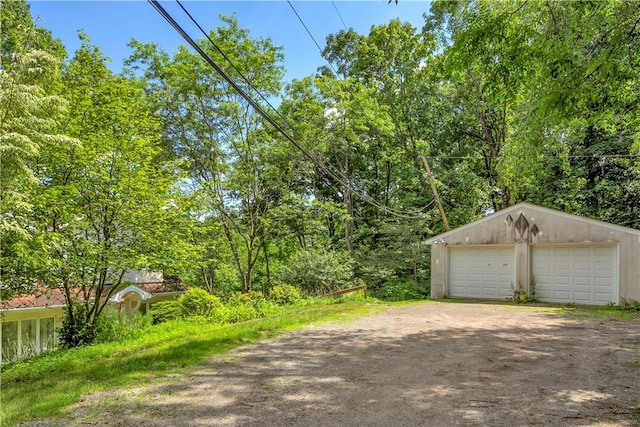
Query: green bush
[[198, 302], [251, 298], [240, 313], [401, 290], [284, 294], [114, 325], [318, 271], [164, 311], [247, 306], [74, 334]]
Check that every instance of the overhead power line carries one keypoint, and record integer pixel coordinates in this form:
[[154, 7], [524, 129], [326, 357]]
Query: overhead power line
[[339, 16], [323, 167], [583, 156], [310, 35]]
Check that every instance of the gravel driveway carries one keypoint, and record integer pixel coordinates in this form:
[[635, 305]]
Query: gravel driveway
[[430, 364]]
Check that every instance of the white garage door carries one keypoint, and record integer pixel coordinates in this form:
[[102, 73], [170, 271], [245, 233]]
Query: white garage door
[[576, 274], [481, 272]]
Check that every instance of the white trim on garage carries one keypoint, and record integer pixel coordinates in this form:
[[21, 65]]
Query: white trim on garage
[[580, 274], [486, 272]]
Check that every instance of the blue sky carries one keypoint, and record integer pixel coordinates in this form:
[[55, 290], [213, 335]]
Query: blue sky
[[111, 24]]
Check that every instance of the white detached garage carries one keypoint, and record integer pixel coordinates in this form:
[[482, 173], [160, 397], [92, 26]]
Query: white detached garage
[[563, 258]]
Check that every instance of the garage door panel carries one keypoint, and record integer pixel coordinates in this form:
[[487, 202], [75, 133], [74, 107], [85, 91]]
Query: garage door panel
[[585, 252], [481, 272], [604, 250], [582, 265], [582, 282], [604, 282], [604, 266], [576, 274], [604, 298]]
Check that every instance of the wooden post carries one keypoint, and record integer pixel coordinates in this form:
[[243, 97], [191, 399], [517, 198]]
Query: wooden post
[[435, 192]]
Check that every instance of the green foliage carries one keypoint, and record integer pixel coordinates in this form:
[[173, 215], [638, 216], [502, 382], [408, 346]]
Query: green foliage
[[284, 294], [115, 325], [31, 114], [247, 306], [164, 311], [75, 330], [318, 272], [631, 304], [198, 302], [221, 138], [394, 289], [107, 204], [251, 298]]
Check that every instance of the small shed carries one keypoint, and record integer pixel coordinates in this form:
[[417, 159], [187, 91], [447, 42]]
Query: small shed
[[530, 250]]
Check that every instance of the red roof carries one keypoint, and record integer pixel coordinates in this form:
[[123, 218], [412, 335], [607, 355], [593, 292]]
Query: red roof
[[55, 297], [44, 298], [170, 284]]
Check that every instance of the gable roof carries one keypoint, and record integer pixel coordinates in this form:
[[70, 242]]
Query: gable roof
[[50, 298], [119, 296], [534, 208], [168, 285]]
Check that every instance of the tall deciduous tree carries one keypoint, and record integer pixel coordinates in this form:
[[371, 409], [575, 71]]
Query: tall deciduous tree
[[30, 112], [217, 132], [104, 205]]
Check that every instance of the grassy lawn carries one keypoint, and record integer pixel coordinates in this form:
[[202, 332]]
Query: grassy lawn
[[42, 386]]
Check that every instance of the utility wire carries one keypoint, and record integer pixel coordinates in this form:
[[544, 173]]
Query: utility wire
[[328, 166], [320, 164], [589, 156], [340, 16], [311, 35], [227, 58]]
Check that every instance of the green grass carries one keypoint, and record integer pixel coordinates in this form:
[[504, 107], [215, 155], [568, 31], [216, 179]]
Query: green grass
[[42, 386], [597, 312]]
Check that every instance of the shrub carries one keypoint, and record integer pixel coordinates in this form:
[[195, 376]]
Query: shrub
[[247, 306], [319, 272], [251, 298], [120, 326], [284, 294], [74, 334], [164, 311], [399, 290], [240, 313], [198, 302]]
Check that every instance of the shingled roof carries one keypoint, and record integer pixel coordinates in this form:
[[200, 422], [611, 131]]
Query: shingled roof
[[169, 284], [44, 297]]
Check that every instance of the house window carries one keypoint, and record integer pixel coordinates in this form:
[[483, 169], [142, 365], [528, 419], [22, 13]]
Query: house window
[[9, 341], [47, 337], [29, 338]]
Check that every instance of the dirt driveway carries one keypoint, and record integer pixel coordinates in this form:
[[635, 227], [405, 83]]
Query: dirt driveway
[[430, 364]]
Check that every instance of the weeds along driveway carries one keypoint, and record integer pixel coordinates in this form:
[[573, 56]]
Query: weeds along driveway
[[429, 364]]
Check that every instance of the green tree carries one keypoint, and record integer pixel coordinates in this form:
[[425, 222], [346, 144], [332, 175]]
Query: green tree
[[218, 133], [105, 205], [29, 121]]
